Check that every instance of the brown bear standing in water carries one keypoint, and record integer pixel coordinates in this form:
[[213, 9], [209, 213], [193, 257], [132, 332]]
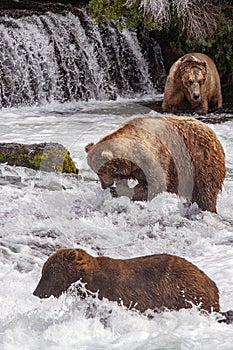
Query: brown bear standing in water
[[194, 79], [176, 154], [149, 282]]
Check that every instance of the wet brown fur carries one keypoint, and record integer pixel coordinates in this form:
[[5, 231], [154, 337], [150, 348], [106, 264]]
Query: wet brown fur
[[149, 282], [193, 78], [177, 154]]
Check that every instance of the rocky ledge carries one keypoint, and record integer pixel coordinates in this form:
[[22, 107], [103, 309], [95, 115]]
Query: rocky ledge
[[19, 8]]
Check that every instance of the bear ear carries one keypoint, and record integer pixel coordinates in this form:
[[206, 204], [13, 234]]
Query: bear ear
[[69, 255], [106, 155], [89, 147], [189, 58], [203, 64], [82, 257], [186, 61]]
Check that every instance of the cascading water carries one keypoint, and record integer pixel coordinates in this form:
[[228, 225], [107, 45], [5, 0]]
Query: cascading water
[[67, 57], [64, 57]]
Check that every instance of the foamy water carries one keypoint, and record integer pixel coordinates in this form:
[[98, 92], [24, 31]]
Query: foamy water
[[43, 211]]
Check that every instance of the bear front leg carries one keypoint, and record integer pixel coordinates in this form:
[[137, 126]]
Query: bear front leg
[[170, 108], [172, 101], [216, 103], [140, 192], [202, 107]]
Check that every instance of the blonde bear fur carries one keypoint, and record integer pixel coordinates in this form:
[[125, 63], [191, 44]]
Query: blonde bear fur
[[194, 79], [176, 154]]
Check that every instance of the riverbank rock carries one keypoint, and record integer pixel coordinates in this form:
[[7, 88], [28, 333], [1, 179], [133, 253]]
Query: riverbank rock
[[43, 156]]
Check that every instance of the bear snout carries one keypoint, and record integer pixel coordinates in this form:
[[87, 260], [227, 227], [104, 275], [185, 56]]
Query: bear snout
[[106, 184], [43, 294], [43, 291], [196, 96], [40, 293], [105, 180]]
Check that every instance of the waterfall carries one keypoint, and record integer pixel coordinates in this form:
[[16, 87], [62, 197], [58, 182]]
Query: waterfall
[[67, 57]]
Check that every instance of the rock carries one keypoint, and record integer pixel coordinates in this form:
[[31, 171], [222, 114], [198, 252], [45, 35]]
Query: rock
[[18, 8], [42, 156]]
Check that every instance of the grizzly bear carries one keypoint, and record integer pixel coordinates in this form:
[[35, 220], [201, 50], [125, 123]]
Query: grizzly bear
[[176, 154], [153, 282], [193, 79]]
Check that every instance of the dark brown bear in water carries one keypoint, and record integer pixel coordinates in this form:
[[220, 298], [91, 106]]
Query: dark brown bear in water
[[176, 154], [150, 282], [193, 79]]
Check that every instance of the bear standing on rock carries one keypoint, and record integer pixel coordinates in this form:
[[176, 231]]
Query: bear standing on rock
[[151, 282], [194, 79], [176, 154]]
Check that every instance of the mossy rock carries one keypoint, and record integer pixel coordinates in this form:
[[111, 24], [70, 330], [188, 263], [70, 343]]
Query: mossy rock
[[41, 156]]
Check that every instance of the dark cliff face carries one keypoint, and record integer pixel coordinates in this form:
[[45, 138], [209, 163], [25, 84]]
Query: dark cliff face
[[18, 8], [39, 4]]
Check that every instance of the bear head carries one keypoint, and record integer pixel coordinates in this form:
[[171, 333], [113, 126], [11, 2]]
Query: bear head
[[137, 150], [63, 268], [193, 72], [115, 165]]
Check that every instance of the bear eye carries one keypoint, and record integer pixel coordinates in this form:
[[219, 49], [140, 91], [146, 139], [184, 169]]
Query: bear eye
[[200, 82], [190, 82]]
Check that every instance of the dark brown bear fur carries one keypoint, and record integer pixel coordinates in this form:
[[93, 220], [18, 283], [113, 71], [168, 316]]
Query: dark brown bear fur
[[193, 78], [149, 282], [176, 154]]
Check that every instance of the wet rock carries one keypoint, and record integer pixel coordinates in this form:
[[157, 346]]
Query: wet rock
[[43, 156], [18, 8]]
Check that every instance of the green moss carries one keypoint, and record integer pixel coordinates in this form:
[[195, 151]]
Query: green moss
[[35, 161], [55, 158], [68, 165], [45, 156], [130, 15], [2, 156]]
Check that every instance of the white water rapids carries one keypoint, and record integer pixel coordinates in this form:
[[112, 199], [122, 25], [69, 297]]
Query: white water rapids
[[41, 211]]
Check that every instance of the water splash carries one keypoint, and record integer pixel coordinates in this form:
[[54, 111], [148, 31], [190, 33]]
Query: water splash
[[57, 57]]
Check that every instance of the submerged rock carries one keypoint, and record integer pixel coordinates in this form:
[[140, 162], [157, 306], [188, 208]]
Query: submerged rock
[[42, 156]]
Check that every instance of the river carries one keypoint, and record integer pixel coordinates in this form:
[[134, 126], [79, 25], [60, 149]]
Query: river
[[41, 212]]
